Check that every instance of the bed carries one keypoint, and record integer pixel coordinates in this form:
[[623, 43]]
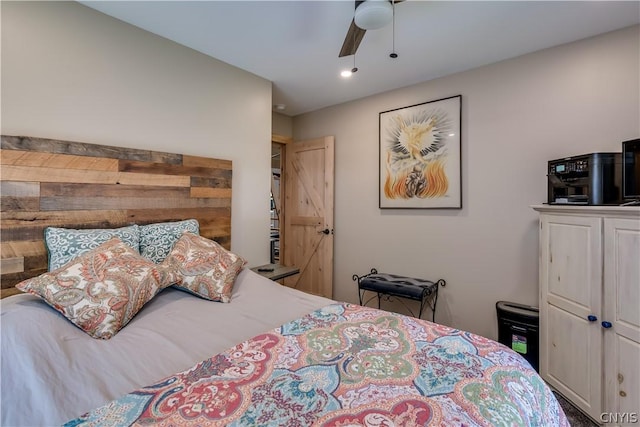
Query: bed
[[269, 355], [53, 372]]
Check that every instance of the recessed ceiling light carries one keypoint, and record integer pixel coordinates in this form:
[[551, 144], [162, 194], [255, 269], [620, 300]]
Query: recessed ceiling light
[[280, 107], [349, 73]]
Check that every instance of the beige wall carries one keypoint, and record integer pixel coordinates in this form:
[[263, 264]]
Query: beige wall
[[71, 73], [281, 125], [516, 115]]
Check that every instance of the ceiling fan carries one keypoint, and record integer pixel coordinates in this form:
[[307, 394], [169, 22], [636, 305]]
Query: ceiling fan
[[368, 15]]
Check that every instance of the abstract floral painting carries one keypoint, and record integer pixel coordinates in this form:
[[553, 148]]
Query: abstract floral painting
[[420, 155]]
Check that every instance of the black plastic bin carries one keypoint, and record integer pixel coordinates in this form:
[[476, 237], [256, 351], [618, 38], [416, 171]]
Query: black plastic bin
[[518, 326]]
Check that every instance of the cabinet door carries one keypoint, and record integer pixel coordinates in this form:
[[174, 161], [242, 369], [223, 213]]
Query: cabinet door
[[570, 292], [622, 303]]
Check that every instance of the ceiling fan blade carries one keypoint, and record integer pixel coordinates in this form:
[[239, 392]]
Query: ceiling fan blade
[[352, 40]]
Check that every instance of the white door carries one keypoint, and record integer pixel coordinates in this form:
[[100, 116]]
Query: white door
[[571, 298]]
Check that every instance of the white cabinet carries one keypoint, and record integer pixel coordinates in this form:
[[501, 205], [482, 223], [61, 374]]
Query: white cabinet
[[571, 291], [590, 306]]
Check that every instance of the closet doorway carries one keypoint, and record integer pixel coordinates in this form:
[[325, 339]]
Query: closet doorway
[[276, 211], [302, 212]]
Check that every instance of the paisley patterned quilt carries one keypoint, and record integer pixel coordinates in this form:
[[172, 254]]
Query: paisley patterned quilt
[[347, 365]]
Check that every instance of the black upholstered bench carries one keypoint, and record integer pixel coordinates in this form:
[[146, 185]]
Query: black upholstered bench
[[393, 285]]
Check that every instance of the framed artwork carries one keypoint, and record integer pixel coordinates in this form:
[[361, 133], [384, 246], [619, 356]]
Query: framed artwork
[[420, 165]]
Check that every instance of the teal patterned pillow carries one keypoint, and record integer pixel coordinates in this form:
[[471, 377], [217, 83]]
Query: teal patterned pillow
[[65, 244], [157, 240]]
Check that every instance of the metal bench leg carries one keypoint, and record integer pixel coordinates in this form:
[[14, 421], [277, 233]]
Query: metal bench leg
[[422, 303], [433, 310]]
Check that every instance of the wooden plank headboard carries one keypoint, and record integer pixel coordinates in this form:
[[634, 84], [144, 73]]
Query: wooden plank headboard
[[46, 182]]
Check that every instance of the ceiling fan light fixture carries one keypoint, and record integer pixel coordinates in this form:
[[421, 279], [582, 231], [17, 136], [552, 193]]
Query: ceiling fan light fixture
[[373, 14]]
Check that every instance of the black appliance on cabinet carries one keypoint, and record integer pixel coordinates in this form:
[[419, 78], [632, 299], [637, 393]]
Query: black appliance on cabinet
[[589, 179]]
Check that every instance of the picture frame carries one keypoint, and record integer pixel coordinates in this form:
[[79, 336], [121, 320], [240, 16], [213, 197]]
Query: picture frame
[[420, 156]]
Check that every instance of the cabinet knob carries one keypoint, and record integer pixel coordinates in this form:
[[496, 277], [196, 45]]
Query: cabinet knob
[[606, 325], [591, 318]]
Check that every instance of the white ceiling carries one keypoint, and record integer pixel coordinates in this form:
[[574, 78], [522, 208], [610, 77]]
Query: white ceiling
[[295, 44]]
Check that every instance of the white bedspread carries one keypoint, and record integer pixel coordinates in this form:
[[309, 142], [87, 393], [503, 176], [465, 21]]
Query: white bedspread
[[53, 372]]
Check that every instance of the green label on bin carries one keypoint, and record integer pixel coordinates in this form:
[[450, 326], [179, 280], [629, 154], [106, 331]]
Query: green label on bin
[[519, 343]]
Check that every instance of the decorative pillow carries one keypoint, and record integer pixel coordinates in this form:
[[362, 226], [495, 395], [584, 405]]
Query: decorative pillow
[[103, 289], [64, 244], [156, 240], [203, 267]]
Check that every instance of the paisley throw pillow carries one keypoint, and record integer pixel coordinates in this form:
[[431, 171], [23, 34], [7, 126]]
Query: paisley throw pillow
[[204, 268], [103, 289]]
